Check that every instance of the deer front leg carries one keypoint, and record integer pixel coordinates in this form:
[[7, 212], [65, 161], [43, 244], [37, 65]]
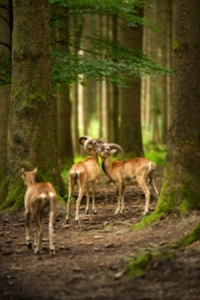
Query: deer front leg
[[87, 199], [93, 197], [119, 191], [122, 200]]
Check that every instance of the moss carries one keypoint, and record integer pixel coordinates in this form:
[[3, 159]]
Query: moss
[[12, 192], [145, 221], [37, 97], [191, 237], [16, 94], [15, 197], [137, 265], [189, 197], [175, 45]]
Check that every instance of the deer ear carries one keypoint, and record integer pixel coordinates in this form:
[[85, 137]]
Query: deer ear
[[35, 171]]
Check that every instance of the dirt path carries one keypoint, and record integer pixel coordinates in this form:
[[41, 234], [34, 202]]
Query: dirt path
[[89, 255]]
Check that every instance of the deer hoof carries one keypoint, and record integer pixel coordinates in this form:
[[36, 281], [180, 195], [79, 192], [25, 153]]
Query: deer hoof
[[52, 252]]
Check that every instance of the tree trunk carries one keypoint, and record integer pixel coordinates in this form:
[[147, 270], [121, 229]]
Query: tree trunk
[[165, 61], [65, 151], [31, 122], [182, 173], [5, 49], [74, 120], [115, 100], [78, 28], [130, 127]]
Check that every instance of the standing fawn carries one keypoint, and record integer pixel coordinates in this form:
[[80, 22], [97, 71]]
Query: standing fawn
[[40, 200]]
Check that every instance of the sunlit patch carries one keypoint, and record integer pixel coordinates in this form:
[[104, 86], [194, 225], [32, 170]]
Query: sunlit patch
[[43, 195], [51, 194]]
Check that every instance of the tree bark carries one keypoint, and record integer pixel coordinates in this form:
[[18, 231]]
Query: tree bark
[[130, 127], [31, 123], [180, 189], [115, 100], [65, 151], [5, 52]]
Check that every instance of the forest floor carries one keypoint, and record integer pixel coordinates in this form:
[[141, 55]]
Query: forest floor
[[91, 256]]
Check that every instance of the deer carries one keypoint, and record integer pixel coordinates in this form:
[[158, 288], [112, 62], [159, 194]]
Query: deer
[[85, 174], [126, 173], [40, 199]]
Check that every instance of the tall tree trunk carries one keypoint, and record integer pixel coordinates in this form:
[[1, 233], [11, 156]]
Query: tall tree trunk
[[74, 123], [65, 151], [165, 38], [76, 36], [100, 92], [156, 82], [182, 173], [31, 122], [88, 90], [130, 97], [5, 53], [115, 100]]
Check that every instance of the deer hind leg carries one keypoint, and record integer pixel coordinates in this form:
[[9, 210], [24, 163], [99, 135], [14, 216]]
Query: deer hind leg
[[142, 183], [153, 185], [51, 231], [38, 233], [71, 188], [82, 185], [27, 225]]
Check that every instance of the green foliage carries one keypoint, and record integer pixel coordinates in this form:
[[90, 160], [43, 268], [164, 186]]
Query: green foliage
[[64, 174], [156, 153], [117, 62], [108, 60], [68, 68], [123, 9]]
